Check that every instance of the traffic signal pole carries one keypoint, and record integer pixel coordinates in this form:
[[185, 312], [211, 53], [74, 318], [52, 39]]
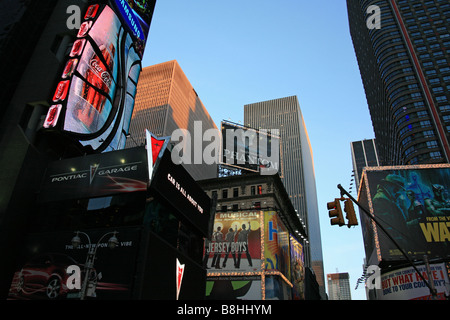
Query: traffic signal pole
[[430, 287]]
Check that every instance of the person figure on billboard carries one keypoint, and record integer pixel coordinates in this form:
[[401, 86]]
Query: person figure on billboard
[[206, 253], [416, 213], [420, 190], [386, 207], [229, 239], [415, 210], [437, 206], [218, 239], [242, 240]]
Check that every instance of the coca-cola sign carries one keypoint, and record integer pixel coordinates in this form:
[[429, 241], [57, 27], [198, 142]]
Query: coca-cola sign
[[92, 108], [98, 68]]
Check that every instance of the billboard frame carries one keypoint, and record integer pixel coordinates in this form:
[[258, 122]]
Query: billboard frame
[[364, 191]]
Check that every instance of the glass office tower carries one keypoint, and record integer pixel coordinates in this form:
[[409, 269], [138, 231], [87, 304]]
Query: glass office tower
[[298, 168], [364, 154], [405, 69]]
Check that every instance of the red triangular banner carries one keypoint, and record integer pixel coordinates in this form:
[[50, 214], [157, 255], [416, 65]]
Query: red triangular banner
[[157, 145]]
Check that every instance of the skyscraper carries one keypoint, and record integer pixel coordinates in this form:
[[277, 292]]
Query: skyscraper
[[364, 154], [166, 101], [298, 174], [339, 286], [405, 69]]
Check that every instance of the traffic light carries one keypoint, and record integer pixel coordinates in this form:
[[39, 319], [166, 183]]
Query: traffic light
[[350, 210], [335, 212]]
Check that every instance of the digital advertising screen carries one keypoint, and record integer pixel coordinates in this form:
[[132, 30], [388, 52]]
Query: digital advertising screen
[[412, 204], [97, 175], [136, 16], [94, 97], [42, 271]]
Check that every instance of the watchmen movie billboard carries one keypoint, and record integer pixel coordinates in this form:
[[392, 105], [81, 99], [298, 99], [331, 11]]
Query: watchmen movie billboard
[[412, 204]]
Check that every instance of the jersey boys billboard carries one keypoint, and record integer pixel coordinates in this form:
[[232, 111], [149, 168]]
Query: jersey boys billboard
[[412, 203], [254, 253], [94, 97]]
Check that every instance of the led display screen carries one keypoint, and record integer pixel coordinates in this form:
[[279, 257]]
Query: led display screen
[[96, 175], [41, 272], [94, 97]]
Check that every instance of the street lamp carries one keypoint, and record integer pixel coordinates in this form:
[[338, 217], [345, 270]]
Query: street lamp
[[89, 265]]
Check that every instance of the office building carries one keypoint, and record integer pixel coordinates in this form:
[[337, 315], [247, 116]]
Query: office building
[[166, 101], [339, 286], [405, 69], [298, 177], [364, 154]]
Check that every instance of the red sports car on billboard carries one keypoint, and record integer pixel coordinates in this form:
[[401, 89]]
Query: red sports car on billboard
[[45, 277]]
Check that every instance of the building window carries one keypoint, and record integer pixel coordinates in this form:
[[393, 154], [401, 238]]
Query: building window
[[235, 192], [224, 193]]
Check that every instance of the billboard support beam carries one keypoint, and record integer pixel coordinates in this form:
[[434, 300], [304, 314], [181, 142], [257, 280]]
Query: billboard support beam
[[432, 290]]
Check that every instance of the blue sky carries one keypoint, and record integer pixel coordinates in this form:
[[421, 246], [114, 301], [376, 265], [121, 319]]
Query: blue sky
[[240, 52]]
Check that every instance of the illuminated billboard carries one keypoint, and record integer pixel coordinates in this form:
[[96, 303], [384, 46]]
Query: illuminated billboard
[[276, 250], [42, 273], [252, 255], [235, 245], [115, 172], [94, 96], [412, 203], [96, 175], [136, 16], [406, 284], [297, 269]]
